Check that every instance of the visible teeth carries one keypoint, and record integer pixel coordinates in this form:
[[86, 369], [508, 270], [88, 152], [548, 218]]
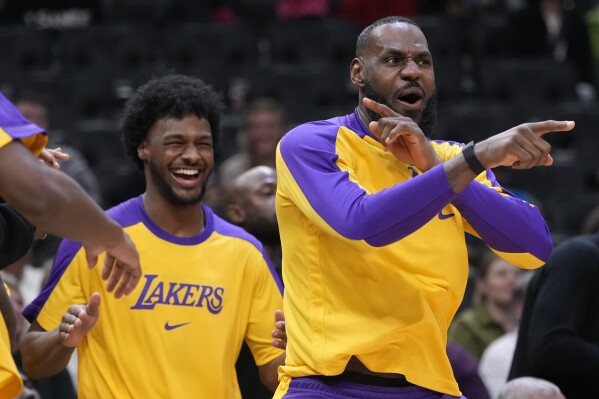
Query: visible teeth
[[188, 172]]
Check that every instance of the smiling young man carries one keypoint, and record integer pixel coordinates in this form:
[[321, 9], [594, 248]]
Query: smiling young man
[[207, 285], [372, 216]]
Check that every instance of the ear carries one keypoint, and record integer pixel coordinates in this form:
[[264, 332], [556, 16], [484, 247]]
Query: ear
[[143, 151], [356, 72], [235, 214]]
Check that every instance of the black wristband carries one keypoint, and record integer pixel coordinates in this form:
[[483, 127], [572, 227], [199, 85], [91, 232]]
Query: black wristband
[[472, 160]]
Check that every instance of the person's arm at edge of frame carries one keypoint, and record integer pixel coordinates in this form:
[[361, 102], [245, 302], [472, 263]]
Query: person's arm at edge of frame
[[55, 203]]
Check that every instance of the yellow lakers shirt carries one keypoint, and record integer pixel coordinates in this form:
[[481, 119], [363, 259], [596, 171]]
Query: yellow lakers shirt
[[179, 333], [374, 254]]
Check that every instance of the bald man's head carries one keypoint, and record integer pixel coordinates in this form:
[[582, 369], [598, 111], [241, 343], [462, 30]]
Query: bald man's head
[[530, 388], [250, 203]]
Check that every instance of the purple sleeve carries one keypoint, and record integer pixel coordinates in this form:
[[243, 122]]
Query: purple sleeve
[[64, 256], [505, 223], [380, 218]]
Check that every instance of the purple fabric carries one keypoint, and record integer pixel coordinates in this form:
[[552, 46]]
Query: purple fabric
[[313, 388], [465, 370], [309, 151], [14, 123], [506, 224]]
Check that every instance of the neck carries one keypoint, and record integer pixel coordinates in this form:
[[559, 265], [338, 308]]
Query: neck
[[502, 315], [180, 221], [363, 115]]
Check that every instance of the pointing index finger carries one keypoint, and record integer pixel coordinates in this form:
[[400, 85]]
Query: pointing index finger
[[379, 108], [549, 126]]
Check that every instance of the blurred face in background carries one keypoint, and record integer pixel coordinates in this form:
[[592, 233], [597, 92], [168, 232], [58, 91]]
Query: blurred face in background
[[263, 130], [499, 282]]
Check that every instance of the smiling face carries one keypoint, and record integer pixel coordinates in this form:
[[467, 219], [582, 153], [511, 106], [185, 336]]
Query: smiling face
[[396, 68], [178, 158]]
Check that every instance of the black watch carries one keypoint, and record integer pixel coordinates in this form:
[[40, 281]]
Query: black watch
[[472, 160]]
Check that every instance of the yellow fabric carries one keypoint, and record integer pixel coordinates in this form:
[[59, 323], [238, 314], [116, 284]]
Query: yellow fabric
[[35, 143], [221, 287], [390, 306], [10, 379]]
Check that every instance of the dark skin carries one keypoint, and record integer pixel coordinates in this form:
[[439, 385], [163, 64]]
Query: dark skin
[[397, 65]]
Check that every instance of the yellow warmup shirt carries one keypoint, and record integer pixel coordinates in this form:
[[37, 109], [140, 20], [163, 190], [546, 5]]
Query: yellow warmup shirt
[[179, 333], [374, 254]]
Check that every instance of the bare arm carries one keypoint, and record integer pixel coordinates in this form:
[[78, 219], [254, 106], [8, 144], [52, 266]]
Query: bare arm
[[55, 203], [269, 374], [45, 353]]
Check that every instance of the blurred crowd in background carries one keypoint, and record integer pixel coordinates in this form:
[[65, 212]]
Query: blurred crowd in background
[[70, 66]]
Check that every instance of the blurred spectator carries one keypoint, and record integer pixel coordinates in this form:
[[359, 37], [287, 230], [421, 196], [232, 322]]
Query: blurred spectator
[[556, 29], [250, 203], [493, 312], [530, 388], [495, 363], [264, 124], [558, 338], [465, 370]]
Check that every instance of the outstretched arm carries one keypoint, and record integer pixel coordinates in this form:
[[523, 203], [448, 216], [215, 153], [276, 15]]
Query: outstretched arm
[[45, 353], [56, 204]]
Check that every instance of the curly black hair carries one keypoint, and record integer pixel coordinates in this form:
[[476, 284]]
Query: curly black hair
[[170, 96]]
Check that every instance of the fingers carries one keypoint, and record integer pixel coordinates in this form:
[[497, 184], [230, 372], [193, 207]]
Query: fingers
[[549, 126], [128, 283], [113, 270], [379, 108], [93, 307], [91, 256]]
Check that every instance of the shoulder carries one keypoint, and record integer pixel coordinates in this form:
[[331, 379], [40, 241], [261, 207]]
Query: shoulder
[[127, 213], [235, 233], [312, 133]]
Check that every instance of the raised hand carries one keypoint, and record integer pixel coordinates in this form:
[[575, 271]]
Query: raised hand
[[280, 334], [520, 147], [121, 266], [402, 137], [78, 321]]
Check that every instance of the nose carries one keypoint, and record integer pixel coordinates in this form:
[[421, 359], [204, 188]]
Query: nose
[[191, 155], [410, 71]]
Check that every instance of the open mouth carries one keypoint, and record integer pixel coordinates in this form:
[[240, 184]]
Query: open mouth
[[186, 177]]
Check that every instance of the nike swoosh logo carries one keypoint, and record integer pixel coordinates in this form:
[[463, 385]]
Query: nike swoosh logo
[[443, 216], [169, 327]]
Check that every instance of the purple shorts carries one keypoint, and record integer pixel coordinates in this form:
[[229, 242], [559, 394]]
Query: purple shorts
[[330, 388]]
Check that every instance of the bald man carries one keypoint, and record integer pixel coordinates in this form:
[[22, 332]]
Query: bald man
[[250, 204], [530, 388]]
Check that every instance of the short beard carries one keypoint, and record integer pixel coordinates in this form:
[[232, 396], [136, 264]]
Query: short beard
[[167, 191], [428, 120]]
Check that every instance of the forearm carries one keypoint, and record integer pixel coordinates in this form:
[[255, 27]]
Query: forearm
[[269, 372], [505, 223], [64, 209], [43, 353]]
